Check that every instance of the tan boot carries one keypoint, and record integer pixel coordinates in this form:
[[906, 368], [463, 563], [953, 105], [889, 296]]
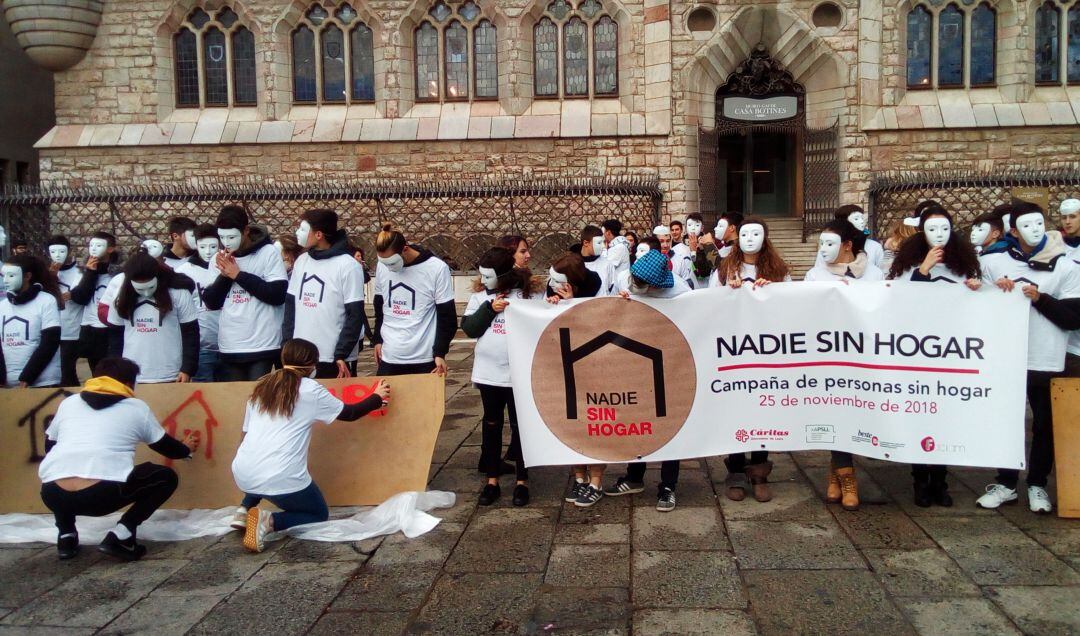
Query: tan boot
[[834, 492], [850, 488], [736, 486], [759, 478]]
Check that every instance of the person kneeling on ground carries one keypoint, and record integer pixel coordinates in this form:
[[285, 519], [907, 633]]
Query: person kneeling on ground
[[89, 460], [271, 462]]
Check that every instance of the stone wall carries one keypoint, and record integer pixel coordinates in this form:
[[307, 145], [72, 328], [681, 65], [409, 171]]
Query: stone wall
[[973, 150]]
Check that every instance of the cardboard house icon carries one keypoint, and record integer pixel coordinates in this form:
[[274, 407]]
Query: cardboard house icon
[[571, 356]]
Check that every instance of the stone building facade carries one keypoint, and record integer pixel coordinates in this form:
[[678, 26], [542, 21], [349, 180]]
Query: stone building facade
[[856, 69]]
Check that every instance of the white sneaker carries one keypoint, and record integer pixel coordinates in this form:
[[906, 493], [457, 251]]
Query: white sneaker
[[239, 520], [258, 526], [996, 494], [1038, 500]]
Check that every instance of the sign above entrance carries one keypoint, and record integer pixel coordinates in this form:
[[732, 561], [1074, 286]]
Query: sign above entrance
[[767, 109]]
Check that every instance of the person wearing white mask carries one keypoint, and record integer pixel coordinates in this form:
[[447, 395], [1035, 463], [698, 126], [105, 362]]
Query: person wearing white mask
[[326, 295], [250, 290], [415, 316], [30, 316], [93, 331], [616, 247], [592, 244], [681, 254], [182, 241], [753, 261], [726, 233], [62, 265], [1047, 277], [936, 254], [154, 248], [987, 235], [622, 281], [197, 268], [856, 216], [500, 283], [160, 322]]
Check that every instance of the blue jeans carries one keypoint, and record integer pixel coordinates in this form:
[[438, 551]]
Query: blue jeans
[[208, 366], [298, 508]]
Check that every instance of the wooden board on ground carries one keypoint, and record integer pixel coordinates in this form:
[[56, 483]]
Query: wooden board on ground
[[1066, 398], [354, 463]]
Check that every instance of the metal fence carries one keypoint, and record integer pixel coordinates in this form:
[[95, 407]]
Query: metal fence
[[457, 221], [965, 194]]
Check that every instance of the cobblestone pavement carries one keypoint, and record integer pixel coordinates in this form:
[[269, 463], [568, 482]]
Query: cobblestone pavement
[[711, 566]]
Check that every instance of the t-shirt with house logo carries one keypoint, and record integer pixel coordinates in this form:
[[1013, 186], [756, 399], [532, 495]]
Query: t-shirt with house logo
[[409, 298], [321, 289], [491, 357], [248, 325], [22, 326], [153, 341], [208, 318]]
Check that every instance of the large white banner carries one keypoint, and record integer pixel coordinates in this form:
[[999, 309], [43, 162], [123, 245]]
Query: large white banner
[[908, 372]]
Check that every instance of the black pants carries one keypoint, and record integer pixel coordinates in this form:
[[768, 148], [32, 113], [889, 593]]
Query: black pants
[[669, 473], [147, 488], [243, 368], [840, 459], [1072, 366], [391, 368], [1041, 456], [93, 345], [929, 474], [736, 462], [328, 370], [69, 356], [496, 399]]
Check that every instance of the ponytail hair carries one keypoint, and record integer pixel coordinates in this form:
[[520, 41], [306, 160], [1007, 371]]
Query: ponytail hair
[[390, 239], [276, 392]]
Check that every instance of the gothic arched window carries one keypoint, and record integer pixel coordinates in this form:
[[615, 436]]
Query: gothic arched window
[[456, 54], [571, 44], [962, 54], [214, 60], [333, 57]]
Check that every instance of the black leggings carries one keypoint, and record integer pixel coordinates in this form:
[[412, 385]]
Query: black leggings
[[393, 368], [669, 473], [69, 356], [329, 370], [496, 399], [93, 345], [243, 370], [736, 462], [147, 488], [840, 459], [1041, 455]]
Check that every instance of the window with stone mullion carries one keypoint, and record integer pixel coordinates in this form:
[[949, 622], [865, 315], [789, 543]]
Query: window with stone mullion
[[953, 48], [333, 63], [214, 61]]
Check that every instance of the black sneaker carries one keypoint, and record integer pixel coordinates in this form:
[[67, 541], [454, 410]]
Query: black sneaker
[[665, 501], [67, 546], [124, 550], [575, 491], [940, 495], [923, 497], [490, 494], [624, 486], [521, 495], [589, 496]]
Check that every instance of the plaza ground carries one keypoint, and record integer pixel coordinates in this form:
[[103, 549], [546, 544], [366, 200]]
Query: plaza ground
[[711, 566]]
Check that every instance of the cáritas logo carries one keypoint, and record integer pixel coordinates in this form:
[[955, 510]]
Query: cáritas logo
[[613, 380]]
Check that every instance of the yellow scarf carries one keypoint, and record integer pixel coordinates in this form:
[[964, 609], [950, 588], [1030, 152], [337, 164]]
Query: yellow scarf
[[108, 386]]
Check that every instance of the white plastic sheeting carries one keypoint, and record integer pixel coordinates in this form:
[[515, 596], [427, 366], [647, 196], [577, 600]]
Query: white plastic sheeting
[[406, 512]]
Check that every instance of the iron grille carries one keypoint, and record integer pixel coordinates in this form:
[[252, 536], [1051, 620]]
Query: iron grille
[[821, 177]]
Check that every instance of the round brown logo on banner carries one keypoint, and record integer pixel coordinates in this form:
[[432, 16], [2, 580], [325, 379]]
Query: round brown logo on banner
[[613, 379]]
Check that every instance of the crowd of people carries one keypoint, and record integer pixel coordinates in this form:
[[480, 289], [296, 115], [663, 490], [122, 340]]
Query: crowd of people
[[228, 302]]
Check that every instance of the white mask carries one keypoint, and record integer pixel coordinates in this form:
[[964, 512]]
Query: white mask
[[721, 229], [207, 248], [13, 278], [597, 245], [693, 227], [395, 263], [147, 289], [1032, 228], [642, 250], [937, 231], [858, 219], [829, 246], [979, 233], [58, 254], [154, 247], [303, 234], [230, 239], [189, 238], [98, 247], [751, 238], [556, 277], [1007, 222], [489, 278]]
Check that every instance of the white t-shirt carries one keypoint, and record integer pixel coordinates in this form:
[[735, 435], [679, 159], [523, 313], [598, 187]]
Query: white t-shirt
[[821, 273], [622, 281], [22, 326], [272, 458], [208, 319], [90, 311], [246, 324], [321, 289], [409, 299], [747, 272], [606, 271], [108, 297], [72, 314], [97, 444], [682, 263], [618, 252], [938, 273], [153, 341], [491, 358], [1074, 336], [1046, 342], [875, 254], [173, 262]]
